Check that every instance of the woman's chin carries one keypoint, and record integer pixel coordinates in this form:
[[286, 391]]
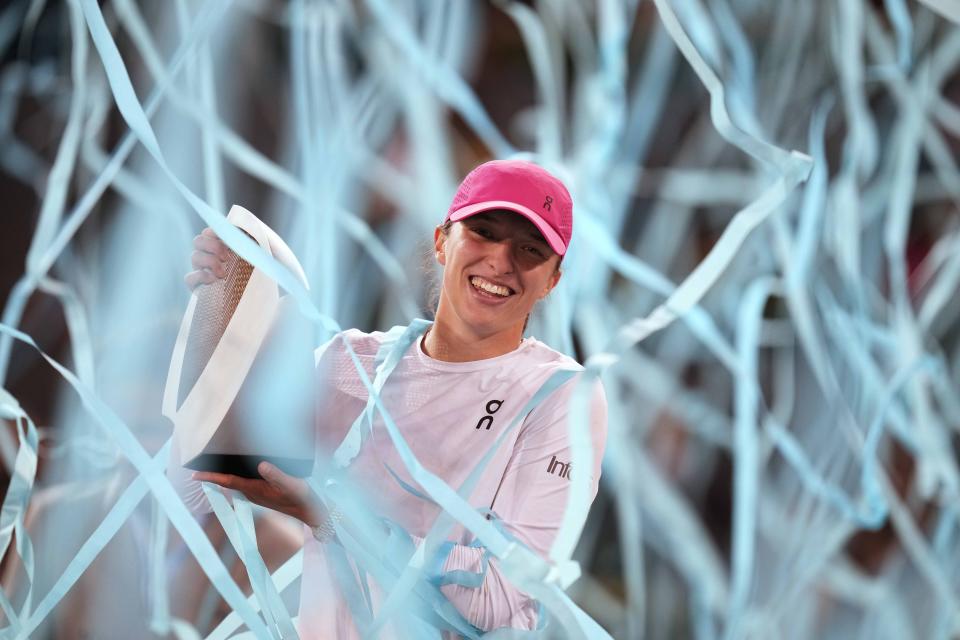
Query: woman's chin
[[485, 316]]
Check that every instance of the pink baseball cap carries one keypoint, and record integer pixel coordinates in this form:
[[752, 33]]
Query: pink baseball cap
[[522, 187]]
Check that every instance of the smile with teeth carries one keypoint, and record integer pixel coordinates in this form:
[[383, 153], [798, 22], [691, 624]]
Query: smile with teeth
[[489, 287]]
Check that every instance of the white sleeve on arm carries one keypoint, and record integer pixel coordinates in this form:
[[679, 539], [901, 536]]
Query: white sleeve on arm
[[530, 503]]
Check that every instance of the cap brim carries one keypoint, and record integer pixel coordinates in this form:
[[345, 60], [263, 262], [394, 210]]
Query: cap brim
[[548, 232]]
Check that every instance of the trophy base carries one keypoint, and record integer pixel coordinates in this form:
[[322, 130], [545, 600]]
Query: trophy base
[[245, 466]]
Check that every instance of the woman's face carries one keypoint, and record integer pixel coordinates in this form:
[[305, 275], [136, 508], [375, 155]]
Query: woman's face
[[497, 265]]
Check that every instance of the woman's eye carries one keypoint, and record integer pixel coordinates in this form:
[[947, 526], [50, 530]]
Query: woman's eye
[[534, 251], [483, 232]]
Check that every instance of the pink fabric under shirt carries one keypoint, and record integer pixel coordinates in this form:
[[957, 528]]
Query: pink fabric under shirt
[[449, 414]]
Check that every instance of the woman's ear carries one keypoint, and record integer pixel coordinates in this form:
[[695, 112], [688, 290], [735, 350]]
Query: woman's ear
[[552, 282], [439, 241]]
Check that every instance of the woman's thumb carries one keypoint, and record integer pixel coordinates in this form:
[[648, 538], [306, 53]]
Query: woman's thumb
[[270, 473]]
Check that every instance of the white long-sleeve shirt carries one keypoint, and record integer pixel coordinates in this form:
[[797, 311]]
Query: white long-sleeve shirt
[[449, 413]]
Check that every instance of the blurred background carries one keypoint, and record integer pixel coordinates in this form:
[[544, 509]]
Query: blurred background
[[765, 268]]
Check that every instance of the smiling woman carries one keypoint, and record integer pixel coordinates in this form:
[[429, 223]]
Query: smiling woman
[[497, 266], [461, 385]]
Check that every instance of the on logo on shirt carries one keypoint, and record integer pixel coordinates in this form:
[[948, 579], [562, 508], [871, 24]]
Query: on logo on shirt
[[492, 407]]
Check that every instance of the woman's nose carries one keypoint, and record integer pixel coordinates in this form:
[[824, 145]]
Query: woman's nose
[[500, 257]]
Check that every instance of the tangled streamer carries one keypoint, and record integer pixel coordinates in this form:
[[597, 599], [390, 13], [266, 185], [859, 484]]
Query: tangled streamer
[[764, 275]]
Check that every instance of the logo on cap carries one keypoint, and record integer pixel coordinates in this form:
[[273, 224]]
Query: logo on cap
[[547, 203]]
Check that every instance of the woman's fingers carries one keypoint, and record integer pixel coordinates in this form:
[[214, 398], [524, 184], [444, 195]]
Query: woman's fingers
[[309, 509], [294, 487], [208, 257], [272, 474], [205, 257], [256, 490], [203, 260], [226, 480], [210, 243], [198, 277], [277, 491]]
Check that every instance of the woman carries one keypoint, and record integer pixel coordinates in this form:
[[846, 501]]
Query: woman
[[459, 386]]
